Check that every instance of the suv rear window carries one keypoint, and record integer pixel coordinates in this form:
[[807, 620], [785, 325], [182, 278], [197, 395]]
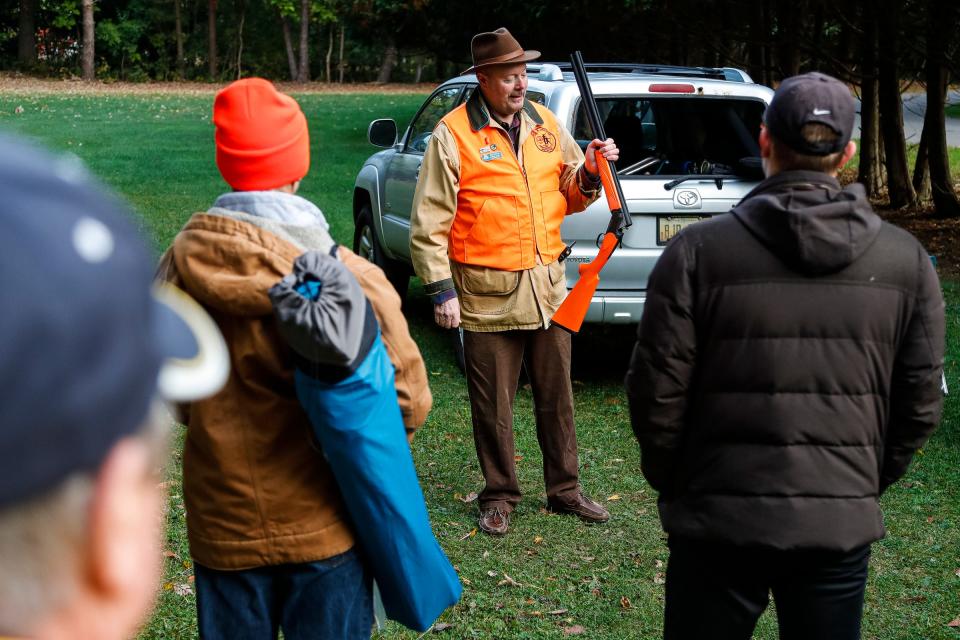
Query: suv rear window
[[677, 136]]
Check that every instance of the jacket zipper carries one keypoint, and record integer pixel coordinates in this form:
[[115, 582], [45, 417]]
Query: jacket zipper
[[526, 183]]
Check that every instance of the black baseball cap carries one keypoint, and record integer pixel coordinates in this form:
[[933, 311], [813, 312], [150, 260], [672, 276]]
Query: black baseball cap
[[811, 98], [87, 341]]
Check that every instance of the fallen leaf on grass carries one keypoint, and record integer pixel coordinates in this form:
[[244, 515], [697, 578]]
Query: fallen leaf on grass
[[470, 497], [929, 519], [441, 626], [957, 573], [169, 554], [466, 581], [954, 623], [615, 496], [557, 612], [182, 589], [596, 592], [507, 580], [535, 614], [517, 458], [915, 599], [486, 554], [625, 602], [492, 574], [469, 534], [539, 539], [611, 400], [659, 578], [658, 564], [575, 630]]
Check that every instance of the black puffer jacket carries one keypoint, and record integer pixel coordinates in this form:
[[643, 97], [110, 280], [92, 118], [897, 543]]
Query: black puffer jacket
[[787, 367]]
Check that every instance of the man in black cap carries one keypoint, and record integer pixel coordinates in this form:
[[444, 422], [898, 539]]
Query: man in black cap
[[786, 369], [87, 354]]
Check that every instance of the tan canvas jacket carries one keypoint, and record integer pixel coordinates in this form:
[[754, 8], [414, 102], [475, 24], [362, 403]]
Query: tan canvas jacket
[[490, 299], [256, 489]]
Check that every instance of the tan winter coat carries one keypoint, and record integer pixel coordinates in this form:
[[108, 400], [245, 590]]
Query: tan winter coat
[[257, 491]]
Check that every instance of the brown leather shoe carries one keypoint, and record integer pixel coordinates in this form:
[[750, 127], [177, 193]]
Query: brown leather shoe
[[580, 505], [494, 521]]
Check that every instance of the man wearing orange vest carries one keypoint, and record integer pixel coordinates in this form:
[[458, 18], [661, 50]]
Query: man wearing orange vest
[[498, 177]]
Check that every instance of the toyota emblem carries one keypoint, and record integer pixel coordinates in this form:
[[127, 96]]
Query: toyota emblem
[[687, 198]]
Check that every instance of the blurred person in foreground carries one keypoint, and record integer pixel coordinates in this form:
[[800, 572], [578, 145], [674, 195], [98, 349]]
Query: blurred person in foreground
[[269, 534], [787, 367], [87, 355]]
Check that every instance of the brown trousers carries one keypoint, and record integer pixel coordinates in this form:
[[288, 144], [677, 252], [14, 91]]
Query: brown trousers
[[493, 362]]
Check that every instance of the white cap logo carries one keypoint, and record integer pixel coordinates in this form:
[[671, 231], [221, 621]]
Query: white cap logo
[[821, 112], [92, 240]]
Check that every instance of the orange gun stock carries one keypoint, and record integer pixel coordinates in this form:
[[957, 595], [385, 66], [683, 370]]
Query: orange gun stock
[[571, 313]]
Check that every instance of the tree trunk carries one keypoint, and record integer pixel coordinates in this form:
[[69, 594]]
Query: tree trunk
[[27, 33], [941, 17], [329, 56], [418, 74], [341, 63], [288, 45], [212, 39], [891, 109], [921, 172], [243, 16], [788, 27], [869, 113], [389, 61], [303, 70], [767, 21], [755, 49], [87, 58], [178, 28]]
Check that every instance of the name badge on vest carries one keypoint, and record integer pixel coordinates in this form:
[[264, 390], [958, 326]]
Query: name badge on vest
[[489, 153]]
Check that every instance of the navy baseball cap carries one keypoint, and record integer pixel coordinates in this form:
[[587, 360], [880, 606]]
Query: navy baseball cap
[[811, 98], [87, 341]]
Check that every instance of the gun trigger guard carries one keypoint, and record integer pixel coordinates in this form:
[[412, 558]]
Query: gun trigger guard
[[566, 251]]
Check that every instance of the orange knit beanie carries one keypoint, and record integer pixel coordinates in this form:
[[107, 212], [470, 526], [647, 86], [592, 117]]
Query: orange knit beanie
[[262, 140]]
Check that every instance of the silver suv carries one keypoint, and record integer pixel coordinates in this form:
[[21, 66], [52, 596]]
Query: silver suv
[[688, 150]]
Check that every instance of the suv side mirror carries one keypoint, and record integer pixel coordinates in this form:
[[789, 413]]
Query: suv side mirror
[[382, 133]]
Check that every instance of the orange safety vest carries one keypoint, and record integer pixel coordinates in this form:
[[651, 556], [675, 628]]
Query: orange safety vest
[[507, 213]]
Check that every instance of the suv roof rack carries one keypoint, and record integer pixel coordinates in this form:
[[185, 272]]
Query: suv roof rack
[[713, 73]]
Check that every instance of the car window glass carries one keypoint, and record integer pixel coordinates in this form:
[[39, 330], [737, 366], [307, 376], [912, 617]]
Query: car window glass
[[536, 96], [678, 135], [436, 107]]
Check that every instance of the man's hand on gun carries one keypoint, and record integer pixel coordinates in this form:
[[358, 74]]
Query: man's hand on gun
[[609, 150], [447, 313]]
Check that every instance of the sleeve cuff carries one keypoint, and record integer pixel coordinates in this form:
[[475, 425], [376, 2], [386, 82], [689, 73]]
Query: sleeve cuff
[[589, 185], [443, 296]]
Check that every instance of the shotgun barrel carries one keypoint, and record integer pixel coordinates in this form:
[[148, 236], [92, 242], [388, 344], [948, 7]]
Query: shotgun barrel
[[574, 309]]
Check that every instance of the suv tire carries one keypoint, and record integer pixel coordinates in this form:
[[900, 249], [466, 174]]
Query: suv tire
[[366, 245]]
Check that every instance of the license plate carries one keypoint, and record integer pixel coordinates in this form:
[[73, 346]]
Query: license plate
[[669, 226]]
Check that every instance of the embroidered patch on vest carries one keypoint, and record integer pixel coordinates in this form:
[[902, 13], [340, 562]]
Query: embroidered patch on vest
[[489, 153], [544, 140]]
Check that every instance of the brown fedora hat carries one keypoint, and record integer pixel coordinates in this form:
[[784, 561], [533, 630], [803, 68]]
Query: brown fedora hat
[[497, 47]]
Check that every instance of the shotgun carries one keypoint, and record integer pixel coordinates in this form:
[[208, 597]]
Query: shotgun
[[574, 308]]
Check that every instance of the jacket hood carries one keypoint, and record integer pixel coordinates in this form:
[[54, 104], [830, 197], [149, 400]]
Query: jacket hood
[[809, 221]]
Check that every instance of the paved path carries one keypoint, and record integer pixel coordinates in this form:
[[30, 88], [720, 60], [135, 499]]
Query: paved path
[[914, 106]]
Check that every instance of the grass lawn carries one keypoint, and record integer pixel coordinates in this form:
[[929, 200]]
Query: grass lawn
[[158, 151], [953, 110]]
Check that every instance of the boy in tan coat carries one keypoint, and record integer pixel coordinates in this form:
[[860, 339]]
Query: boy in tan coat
[[267, 527]]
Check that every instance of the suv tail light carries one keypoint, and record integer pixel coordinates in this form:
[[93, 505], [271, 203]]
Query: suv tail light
[[672, 88]]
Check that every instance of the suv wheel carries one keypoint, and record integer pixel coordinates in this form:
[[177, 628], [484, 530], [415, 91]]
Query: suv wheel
[[366, 246]]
